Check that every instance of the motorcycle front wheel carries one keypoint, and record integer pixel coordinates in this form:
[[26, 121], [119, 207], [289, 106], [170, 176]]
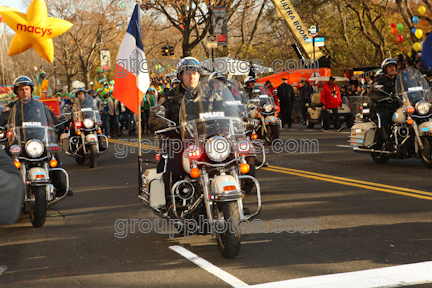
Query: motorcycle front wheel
[[229, 237], [426, 153], [92, 158], [39, 209]]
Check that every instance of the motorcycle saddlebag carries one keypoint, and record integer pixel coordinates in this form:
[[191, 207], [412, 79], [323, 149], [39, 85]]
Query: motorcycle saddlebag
[[156, 188], [363, 134], [64, 140]]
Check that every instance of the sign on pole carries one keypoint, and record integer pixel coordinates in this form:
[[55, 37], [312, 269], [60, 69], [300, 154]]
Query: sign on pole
[[220, 25], [105, 60], [313, 31], [211, 41]]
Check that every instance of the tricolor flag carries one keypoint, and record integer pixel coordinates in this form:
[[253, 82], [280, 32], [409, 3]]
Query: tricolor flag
[[131, 81]]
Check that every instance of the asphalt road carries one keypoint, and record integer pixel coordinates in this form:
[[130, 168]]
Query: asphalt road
[[369, 216]]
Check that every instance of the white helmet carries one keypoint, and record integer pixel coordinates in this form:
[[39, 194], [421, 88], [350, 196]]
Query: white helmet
[[250, 79], [188, 64]]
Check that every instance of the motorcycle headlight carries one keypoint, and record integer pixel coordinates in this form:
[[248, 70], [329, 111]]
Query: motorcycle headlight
[[268, 108], [88, 123], [34, 148], [422, 107], [217, 148]]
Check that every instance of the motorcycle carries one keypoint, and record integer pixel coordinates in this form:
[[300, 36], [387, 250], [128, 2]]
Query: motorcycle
[[411, 131], [215, 147], [84, 140], [267, 114], [32, 142]]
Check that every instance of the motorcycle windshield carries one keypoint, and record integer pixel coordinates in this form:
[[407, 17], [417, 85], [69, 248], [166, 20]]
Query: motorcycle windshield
[[266, 100], [213, 109], [31, 121], [414, 84], [88, 110]]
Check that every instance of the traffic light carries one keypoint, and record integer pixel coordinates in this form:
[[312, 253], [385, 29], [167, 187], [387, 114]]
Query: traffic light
[[165, 51], [171, 50]]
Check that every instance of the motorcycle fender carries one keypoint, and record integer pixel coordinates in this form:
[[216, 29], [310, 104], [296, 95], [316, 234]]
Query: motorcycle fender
[[91, 139], [363, 134], [425, 128], [219, 183], [344, 109], [37, 174], [399, 116], [272, 120]]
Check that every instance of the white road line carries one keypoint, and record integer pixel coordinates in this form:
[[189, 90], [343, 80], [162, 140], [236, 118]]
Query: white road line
[[345, 146], [395, 276], [209, 267]]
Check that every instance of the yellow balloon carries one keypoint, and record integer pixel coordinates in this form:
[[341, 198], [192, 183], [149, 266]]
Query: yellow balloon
[[34, 29], [422, 10], [418, 33], [417, 46], [409, 54]]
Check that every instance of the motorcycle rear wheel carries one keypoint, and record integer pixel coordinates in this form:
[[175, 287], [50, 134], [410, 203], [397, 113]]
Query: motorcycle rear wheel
[[426, 153], [229, 240], [380, 158], [39, 209], [309, 125]]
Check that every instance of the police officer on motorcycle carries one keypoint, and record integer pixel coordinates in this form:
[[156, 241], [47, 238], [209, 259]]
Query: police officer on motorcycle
[[249, 86], [23, 87], [386, 108]]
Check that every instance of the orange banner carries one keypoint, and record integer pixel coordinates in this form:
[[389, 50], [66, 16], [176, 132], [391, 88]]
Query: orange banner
[[53, 105]]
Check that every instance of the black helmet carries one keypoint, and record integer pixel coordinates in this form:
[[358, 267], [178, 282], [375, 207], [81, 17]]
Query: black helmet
[[22, 80]]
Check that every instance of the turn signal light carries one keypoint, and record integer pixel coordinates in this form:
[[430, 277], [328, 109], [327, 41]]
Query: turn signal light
[[17, 164], [229, 188], [53, 163], [78, 124], [410, 121], [276, 115], [9, 133], [99, 131], [254, 136], [277, 108], [244, 168], [259, 116], [79, 133], [195, 173]]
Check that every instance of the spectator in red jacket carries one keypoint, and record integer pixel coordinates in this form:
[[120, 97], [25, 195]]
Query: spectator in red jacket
[[331, 99]]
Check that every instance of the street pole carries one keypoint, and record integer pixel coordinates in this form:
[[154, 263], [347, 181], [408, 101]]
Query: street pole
[[313, 41], [139, 131], [212, 56], [55, 77]]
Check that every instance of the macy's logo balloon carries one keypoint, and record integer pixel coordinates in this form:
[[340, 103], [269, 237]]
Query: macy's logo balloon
[[34, 29]]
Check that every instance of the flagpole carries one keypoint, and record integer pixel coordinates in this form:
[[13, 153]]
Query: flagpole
[[139, 128]]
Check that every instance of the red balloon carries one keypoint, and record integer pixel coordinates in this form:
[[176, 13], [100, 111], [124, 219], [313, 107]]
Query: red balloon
[[399, 39], [394, 31], [393, 25]]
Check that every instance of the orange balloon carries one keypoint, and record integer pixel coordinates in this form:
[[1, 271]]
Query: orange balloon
[[394, 31]]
